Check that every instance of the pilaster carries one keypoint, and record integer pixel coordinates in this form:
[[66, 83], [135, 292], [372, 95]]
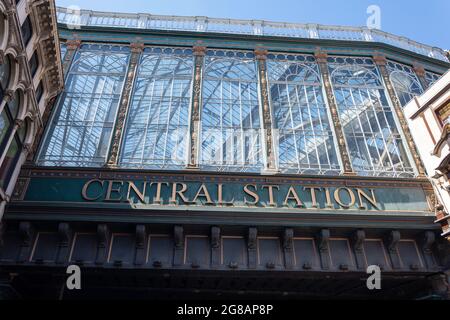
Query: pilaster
[[261, 57], [194, 126]]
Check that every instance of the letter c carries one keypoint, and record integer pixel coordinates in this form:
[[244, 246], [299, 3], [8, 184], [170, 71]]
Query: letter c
[[85, 190]]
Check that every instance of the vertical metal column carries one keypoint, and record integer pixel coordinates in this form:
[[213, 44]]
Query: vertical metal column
[[261, 57], [194, 126]]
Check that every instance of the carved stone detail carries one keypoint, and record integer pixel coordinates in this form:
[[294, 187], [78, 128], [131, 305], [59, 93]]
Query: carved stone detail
[[20, 189], [136, 49], [140, 236], [288, 238], [26, 233], [261, 57], [252, 238], [194, 134], [321, 58], [392, 241], [64, 234], [215, 237], [420, 73], [178, 236], [358, 240], [72, 47], [381, 62]]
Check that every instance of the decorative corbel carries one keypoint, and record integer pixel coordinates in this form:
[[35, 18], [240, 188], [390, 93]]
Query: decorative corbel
[[428, 241], [141, 235], [26, 232], [323, 239], [215, 246], [103, 236], [252, 240], [358, 244], [178, 234], [392, 245], [65, 236], [288, 248]]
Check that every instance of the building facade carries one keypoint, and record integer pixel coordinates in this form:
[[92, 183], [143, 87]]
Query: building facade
[[31, 77], [428, 117], [197, 157]]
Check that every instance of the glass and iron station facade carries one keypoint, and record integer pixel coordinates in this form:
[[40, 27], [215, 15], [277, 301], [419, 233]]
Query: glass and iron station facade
[[198, 157]]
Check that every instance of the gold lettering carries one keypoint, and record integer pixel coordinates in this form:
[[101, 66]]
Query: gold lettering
[[362, 194], [180, 193], [140, 195], [313, 195], [251, 194], [329, 204], [203, 192], [157, 198], [270, 188], [84, 192], [112, 190], [292, 195], [338, 198], [220, 196]]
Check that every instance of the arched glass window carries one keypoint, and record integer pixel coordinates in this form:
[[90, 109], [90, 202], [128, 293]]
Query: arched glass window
[[374, 141], [5, 76], [81, 130], [405, 82], [304, 136], [156, 133], [7, 118], [230, 117], [12, 155]]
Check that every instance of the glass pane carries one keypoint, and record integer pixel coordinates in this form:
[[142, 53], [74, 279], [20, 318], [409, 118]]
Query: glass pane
[[304, 136], [81, 131], [230, 119], [405, 82], [5, 124], [5, 73], [374, 143], [8, 164], [156, 133]]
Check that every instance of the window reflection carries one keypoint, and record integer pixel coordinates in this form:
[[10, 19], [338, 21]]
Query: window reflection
[[81, 132], [230, 119], [304, 136], [373, 139], [156, 132], [405, 82]]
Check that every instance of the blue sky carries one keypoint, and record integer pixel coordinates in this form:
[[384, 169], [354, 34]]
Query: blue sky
[[423, 21]]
